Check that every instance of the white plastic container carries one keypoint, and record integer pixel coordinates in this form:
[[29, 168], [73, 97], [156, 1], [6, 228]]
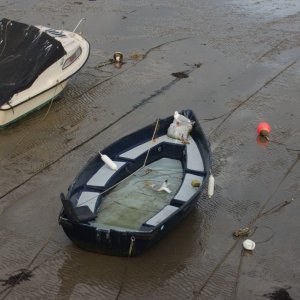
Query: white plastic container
[[249, 245]]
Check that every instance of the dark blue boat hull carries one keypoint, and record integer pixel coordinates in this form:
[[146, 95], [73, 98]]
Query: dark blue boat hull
[[133, 242], [116, 242]]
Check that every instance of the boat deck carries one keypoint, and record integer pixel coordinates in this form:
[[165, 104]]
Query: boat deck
[[136, 200]]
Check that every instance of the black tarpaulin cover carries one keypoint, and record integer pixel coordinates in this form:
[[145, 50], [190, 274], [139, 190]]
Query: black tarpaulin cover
[[25, 52]]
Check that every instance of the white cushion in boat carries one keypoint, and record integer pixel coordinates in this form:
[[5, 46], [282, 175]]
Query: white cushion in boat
[[162, 215], [194, 158], [187, 190], [136, 151], [101, 177], [89, 199]]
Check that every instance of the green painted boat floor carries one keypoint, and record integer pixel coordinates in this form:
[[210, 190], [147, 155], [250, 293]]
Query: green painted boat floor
[[134, 201]]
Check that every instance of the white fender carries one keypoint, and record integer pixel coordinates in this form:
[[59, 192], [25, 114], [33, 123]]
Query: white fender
[[109, 162], [211, 186]]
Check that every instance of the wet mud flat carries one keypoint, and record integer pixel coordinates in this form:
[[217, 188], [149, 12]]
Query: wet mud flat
[[235, 64]]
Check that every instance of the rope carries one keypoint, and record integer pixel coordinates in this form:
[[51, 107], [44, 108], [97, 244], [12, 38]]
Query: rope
[[42, 118], [261, 213], [131, 246], [51, 101], [10, 288], [143, 166], [126, 266], [156, 125]]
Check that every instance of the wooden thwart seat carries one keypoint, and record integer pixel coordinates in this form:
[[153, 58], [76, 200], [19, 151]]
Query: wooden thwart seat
[[77, 214], [88, 199], [194, 159], [101, 177], [186, 191], [137, 151], [162, 215]]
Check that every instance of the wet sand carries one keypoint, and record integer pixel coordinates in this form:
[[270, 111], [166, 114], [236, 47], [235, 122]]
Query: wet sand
[[242, 58]]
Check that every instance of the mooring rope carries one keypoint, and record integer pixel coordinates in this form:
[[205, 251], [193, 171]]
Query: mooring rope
[[25, 272], [51, 101], [261, 213], [132, 241], [152, 139], [139, 169]]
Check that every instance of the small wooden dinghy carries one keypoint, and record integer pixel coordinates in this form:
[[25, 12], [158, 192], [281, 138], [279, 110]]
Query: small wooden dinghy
[[143, 186]]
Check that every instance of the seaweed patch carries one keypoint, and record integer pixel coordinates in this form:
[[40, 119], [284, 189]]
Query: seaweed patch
[[180, 75], [12, 280]]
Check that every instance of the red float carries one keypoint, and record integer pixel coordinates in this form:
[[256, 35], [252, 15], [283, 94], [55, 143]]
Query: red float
[[264, 129]]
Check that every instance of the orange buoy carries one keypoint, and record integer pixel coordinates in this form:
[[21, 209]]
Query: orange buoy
[[264, 129]]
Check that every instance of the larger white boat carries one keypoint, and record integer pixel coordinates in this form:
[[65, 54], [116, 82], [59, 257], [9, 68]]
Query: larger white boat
[[36, 63]]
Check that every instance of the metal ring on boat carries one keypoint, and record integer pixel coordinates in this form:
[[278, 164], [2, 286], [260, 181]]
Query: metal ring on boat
[[118, 57], [131, 245]]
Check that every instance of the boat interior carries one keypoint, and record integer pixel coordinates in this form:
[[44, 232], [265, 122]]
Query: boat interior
[[127, 199]]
